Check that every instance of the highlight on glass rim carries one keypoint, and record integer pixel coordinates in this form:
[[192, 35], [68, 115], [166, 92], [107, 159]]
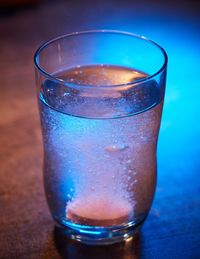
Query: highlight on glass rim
[[100, 96]]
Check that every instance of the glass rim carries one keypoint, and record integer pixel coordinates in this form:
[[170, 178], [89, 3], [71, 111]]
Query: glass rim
[[75, 85]]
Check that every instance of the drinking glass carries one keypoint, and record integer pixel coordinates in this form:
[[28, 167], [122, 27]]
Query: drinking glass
[[100, 96]]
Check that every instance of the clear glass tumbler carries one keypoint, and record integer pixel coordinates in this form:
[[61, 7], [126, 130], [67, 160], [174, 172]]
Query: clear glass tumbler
[[100, 96]]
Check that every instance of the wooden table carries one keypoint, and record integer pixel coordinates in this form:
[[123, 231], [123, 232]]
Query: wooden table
[[173, 226]]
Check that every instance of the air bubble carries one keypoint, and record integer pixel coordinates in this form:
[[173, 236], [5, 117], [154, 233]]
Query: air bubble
[[116, 148], [66, 94]]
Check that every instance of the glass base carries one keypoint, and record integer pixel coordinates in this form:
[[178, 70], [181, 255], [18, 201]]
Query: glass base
[[90, 235]]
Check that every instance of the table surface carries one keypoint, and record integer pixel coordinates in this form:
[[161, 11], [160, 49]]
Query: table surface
[[173, 225]]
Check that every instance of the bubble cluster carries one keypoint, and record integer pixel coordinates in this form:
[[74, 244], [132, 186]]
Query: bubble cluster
[[99, 171]]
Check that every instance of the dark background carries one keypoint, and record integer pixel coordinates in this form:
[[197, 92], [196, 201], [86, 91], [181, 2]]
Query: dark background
[[173, 226]]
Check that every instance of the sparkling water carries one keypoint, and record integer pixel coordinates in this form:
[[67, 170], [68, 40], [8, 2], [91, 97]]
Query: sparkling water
[[100, 145]]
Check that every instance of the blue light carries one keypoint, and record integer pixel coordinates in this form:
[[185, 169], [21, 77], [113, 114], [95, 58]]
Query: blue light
[[178, 34], [90, 232]]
